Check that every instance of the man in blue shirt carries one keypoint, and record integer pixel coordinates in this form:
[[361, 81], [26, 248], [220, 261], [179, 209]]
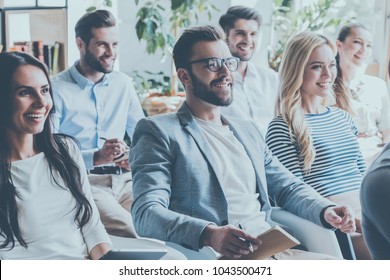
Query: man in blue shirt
[[97, 106]]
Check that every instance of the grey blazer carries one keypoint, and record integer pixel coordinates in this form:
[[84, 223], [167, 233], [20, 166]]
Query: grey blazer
[[177, 192]]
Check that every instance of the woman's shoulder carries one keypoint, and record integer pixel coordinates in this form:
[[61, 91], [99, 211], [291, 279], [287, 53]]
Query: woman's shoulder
[[372, 79], [277, 126], [69, 142], [278, 121], [335, 111], [372, 84], [340, 116]]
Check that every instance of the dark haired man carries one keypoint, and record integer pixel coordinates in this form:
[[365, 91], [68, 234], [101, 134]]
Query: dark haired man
[[255, 87], [198, 175], [98, 106]]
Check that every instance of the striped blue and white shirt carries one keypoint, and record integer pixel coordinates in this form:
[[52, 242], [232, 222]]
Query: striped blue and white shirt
[[338, 166]]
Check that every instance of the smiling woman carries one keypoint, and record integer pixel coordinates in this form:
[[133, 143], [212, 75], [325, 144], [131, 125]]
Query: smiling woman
[[318, 144], [365, 97], [32, 103], [47, 211]]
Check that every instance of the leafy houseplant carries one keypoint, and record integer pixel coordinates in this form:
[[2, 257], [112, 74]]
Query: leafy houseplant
[[286, 21], [100, 3], [155, 81], [158, 25]]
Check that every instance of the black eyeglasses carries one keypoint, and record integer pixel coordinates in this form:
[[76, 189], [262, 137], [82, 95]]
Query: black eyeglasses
[[214, 64]]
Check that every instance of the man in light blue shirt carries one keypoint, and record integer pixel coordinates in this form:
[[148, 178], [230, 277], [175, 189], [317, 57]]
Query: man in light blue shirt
[[98, 106]]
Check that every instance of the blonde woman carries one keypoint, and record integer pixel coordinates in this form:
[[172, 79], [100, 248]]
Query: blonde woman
[[365, 97], [316, 143]]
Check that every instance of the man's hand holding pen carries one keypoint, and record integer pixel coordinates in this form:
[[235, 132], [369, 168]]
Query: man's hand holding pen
[[229, 241], [250, 246], [112, 149]]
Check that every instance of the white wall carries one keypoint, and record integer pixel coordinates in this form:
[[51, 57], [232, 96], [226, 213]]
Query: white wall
[[265, 8], [133, 55]]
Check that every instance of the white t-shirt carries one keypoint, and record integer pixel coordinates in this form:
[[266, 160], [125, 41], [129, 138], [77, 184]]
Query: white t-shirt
[[370, 102], [237, 178], [46, 213], [255, 96]]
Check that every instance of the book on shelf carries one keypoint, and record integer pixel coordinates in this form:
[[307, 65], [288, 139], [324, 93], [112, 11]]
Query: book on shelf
[[47, 52], [48, 56], [38, 50], [56, 58], [23, 46]]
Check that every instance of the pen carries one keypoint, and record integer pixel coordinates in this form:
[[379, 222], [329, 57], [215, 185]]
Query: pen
[[247, 241], [103, 138]]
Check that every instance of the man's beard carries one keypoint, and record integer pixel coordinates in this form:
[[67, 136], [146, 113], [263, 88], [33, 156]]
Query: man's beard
[[94, 63], [203, 92], [241, 57], [237, 53]]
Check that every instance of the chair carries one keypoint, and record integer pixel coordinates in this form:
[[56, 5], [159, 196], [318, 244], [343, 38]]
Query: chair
[[346, 245], [313, 237]]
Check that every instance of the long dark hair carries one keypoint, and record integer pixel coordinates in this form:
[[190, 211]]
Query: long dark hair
[[52, 145], [342, 93]]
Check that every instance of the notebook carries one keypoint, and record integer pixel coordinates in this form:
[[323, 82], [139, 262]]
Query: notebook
[[135, 249], [134, 254], [274, 240]]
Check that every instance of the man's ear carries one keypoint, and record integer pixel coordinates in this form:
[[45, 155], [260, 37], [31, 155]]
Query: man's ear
[[80, 43], [184, 76]]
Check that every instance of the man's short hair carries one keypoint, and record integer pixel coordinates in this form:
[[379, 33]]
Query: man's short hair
[[96, 19], [182, 51], [235, 13]]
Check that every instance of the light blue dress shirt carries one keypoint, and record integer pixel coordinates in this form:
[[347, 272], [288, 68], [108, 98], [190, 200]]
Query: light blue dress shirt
[[89, 111]]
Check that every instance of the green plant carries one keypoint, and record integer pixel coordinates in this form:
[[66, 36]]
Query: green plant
[[286, 21], [148, 81], [158, 25], [100, 3]]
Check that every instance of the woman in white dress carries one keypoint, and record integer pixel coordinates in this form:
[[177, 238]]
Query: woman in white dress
[[46, 208], [365, 97]]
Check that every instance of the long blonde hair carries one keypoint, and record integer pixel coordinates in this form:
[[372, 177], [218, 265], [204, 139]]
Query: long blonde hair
[[289, 105]]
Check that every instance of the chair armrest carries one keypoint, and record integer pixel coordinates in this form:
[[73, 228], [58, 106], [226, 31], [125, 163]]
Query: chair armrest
[[313, 237]]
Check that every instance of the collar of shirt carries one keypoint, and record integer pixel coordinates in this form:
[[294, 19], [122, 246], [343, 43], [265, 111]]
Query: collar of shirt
[[84, 82], [250, 72]]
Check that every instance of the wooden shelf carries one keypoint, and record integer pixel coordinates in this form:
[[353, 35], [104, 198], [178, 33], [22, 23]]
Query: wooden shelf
[[46, 24]]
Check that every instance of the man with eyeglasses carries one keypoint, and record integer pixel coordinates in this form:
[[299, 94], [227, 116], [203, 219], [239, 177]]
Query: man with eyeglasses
[[200, 178], [255, 86]]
